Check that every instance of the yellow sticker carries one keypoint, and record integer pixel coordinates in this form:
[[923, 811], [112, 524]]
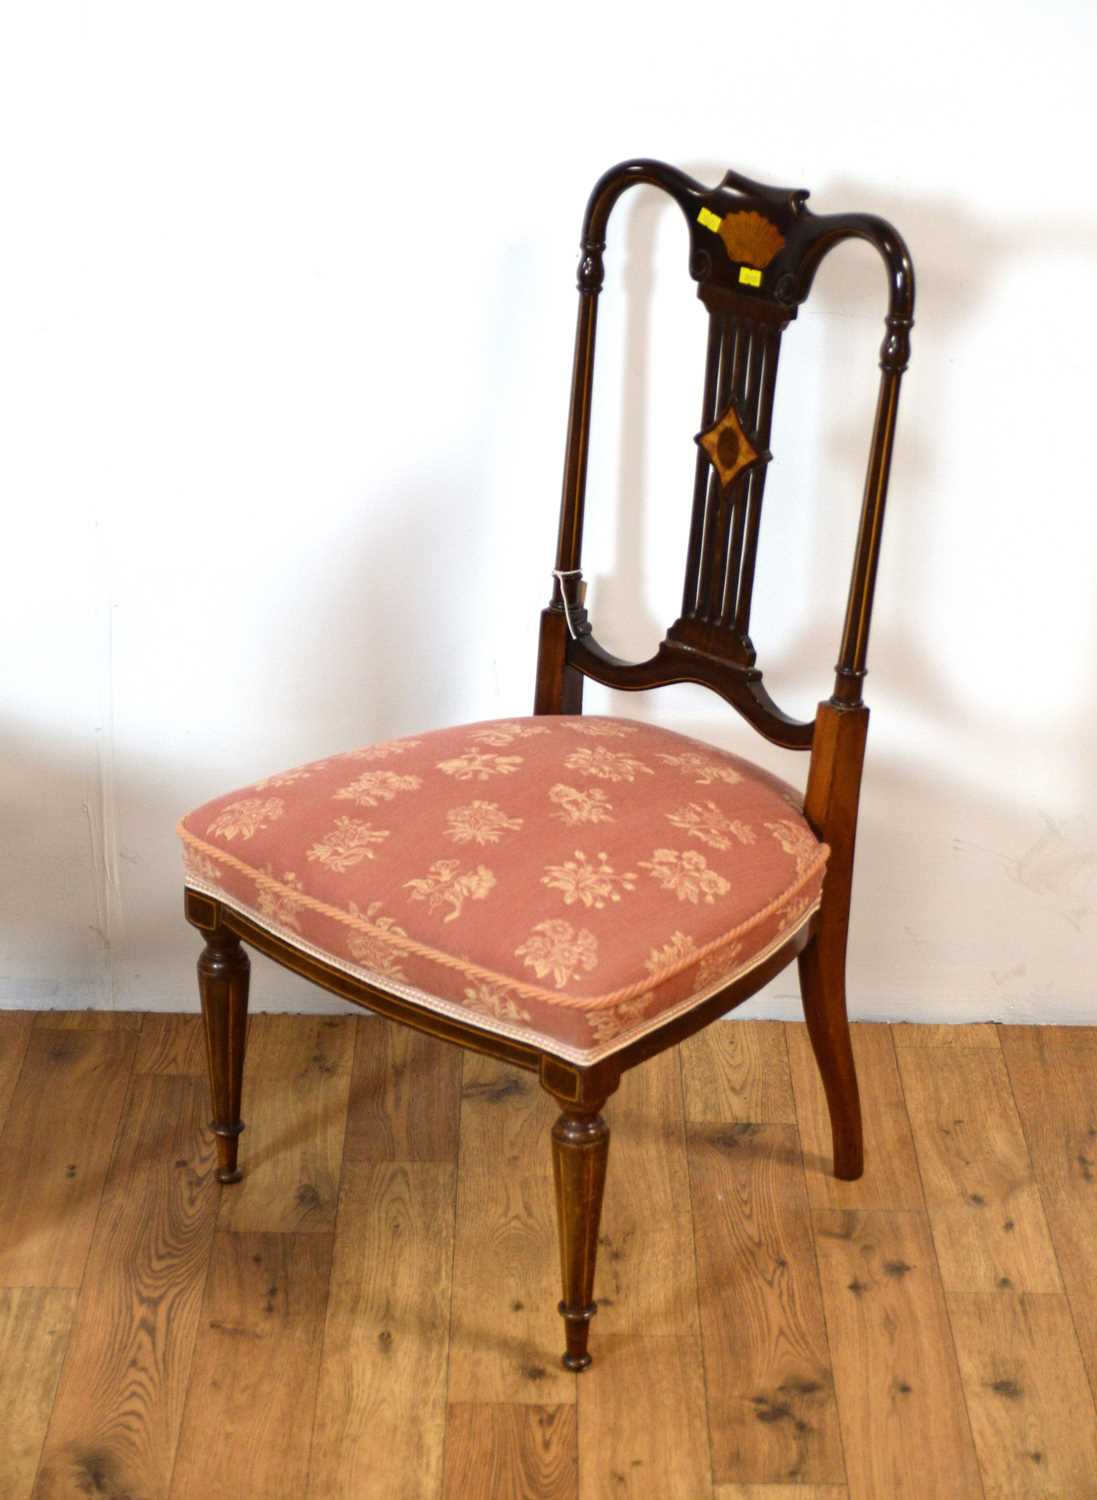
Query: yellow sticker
[[749, 277], [709, 219]]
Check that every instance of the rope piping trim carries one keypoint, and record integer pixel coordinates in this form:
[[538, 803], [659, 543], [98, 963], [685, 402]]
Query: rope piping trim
[[465, 966], [540, 1040]]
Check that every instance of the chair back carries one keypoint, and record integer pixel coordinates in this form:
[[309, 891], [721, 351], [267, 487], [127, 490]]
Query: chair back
[[754, 252]]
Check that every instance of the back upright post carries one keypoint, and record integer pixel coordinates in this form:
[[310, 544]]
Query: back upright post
[[838, 750], [559, 686]]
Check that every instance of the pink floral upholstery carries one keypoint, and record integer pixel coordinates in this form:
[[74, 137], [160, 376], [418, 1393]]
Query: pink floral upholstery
[[571, 882]]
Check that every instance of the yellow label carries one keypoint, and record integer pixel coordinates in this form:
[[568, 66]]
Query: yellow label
[[749, 277], [709, 219]]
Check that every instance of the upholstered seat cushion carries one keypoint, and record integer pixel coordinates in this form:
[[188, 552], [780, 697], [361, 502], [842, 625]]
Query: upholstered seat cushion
[[568, 881]]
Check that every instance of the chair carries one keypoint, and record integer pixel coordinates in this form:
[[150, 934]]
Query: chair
[[574, 894]]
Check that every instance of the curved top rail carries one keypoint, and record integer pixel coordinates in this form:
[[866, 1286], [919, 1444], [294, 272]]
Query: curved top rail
[[685, 190], [768, 231], [834, 230]]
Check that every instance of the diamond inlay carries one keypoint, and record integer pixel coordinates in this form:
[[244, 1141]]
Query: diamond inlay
[[728, 448]]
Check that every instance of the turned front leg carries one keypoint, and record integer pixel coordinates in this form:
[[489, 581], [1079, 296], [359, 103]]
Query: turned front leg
[[580, 1146], [223, 973]]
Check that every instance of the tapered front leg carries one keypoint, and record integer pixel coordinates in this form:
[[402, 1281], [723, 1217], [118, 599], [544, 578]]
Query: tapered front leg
[[223, 973], [580, 1146]]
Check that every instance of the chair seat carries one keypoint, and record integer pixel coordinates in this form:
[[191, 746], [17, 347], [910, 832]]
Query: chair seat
[[571, 882]]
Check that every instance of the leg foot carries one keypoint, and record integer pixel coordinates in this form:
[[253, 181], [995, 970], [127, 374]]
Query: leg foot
[[823, 986], [223, 973], [580, 1146], [576, 1331]]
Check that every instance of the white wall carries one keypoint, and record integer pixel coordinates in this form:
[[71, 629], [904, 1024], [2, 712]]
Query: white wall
[[287, 306]]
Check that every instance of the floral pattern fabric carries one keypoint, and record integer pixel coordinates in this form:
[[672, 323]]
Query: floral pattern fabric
[[569, 881]]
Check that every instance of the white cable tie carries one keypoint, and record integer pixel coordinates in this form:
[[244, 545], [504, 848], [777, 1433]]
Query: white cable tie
[[560, 574]]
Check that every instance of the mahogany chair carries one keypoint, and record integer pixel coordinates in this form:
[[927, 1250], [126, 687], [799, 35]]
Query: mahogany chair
[[573, 894]]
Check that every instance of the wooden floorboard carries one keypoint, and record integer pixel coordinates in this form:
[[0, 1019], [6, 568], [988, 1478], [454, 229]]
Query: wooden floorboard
[[645, 1280], [1032, 1415], [980, 1034], [771, 1404], [380, 1422], [34, 1333], [88, 1020], [15, 1030], [904, 1424], [119, 1407], [172, 1044], [55, 1147], [780, 1492], [372, 1311], [984, 1206], [405, 1095], [296, 1085], [252, 1390], [738, 1072], [522, 1452], [1053, 1070], [507, 1336], [642, 1421]]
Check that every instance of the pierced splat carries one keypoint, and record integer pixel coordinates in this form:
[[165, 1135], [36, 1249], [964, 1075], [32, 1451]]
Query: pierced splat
[[740, 381]]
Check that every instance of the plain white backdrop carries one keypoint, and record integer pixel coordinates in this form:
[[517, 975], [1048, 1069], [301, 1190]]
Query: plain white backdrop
[[286, 310]]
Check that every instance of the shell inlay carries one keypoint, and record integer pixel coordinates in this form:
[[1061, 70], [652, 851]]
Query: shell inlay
[[750, 238]]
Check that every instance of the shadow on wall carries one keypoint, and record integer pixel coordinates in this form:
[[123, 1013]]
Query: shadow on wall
[[353, 662], [55, 886]]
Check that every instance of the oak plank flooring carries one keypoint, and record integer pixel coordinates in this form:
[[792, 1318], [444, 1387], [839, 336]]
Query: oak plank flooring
[[645, 1279], [88, 1020], [904, 1423], [780, 1492], [405, 1095], [984, 1207], [1053, 1072], [381, 1405], [763, 1333], [642, 1421], [1054, 1038], [738, 1072], [507, 1336], [522, 1452], [1032, 1415], [976, 1034], [296, 1083], [119, 1405], [15, 1030], [34, 1333], [891, 1169], [172, 1044], [255, 1369], [771, 1406], [56, 1147]]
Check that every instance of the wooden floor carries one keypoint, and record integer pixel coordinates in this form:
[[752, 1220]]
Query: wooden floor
[[372, 1311]]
